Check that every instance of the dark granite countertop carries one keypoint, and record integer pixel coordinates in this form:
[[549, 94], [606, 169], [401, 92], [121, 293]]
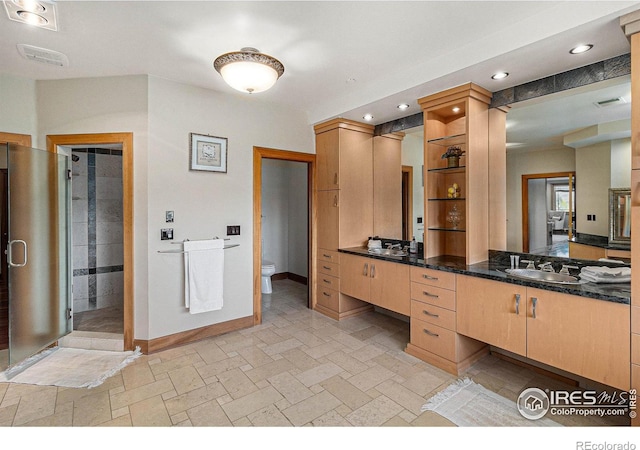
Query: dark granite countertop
[[493, 269], [597, 241]]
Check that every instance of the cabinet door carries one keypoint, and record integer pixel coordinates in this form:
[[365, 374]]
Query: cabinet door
[[328, 219], [581, 335], [390, 286], [328, 160], [492, 312], [354, 276]]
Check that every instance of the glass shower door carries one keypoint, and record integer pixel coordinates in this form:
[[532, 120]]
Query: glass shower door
[[38, 252]]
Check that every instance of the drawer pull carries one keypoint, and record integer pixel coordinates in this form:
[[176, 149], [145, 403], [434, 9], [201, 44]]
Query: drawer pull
[[373, 270], [365, 272], [430, 333], [427, 277], [326, 295], [326, 256], [517, 304], [430, 314], [326, 267], [534, 300], [326, 281], [335, 201], [430, 295], [335, 178]]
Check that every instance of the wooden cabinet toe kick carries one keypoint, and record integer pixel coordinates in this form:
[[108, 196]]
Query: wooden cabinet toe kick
[[454, 368]]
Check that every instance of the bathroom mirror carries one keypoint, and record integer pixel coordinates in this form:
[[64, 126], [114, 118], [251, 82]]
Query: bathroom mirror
[[413, 184], [571, 131], [619, 216]]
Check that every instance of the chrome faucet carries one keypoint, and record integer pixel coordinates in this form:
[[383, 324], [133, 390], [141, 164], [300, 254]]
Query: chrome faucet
[[391, 246], [546, 267], [530, 264]]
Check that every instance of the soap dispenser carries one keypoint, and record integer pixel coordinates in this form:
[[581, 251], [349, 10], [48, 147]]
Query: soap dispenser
[[413, 246]]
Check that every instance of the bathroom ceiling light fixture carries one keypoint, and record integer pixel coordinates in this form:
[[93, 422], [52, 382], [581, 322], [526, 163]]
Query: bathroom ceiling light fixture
[[581, 49], [37, 13], [249, 70], [367, 117], [499, 75], [403, 106]]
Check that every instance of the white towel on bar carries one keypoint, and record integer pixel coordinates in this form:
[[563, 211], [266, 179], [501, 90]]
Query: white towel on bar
[[203, 275]]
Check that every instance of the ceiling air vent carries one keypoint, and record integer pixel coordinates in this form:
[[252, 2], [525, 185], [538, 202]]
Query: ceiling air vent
[[43, 55], [610, 102]]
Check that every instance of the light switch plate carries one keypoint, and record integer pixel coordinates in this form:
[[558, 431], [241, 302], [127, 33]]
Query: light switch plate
[[168, 216], [233, 230], [166, 234]]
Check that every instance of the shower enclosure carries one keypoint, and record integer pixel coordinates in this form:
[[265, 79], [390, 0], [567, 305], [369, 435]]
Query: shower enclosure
[[38, 270]]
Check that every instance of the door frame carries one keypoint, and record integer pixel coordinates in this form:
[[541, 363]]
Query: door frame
[[525, 202], [126, 140], [260, 153], [407, 201]]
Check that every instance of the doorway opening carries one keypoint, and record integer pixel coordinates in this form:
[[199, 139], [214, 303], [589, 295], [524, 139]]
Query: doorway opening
[[548, 213], [102, 235], [269, 224]]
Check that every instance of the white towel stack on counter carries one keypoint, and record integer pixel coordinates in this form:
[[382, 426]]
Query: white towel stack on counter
[[602, 274]]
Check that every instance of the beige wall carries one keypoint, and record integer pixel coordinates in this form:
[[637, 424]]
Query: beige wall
[[593, 179], [204, 202], [518, 164], [161, 114]]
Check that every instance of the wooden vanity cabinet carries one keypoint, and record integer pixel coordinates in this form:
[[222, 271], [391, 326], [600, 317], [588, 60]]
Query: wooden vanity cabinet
[[581, 335], [381, 283], [493, 312], [434, 338]]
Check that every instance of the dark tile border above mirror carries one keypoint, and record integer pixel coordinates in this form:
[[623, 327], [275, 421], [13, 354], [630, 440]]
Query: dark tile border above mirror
[[615, 67]]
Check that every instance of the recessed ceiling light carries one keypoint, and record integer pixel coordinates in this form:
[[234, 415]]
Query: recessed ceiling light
[[403, 106], [367, 117], [39, 13], [456, 109], [32, 18], [581, 49], [499, 75]]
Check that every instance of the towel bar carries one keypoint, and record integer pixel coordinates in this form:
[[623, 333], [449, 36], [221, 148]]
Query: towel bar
[[182, 242]]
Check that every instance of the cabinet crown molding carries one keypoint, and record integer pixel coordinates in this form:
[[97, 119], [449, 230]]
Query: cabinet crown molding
[[468, 90], [343, 123]]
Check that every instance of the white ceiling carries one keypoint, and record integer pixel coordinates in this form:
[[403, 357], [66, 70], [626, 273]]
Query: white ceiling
[[395, 51]]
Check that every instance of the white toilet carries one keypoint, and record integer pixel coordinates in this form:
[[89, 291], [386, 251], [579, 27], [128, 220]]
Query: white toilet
[[268, 269]]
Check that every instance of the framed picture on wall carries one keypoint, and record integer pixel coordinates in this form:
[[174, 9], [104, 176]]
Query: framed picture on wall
[[207, 153]]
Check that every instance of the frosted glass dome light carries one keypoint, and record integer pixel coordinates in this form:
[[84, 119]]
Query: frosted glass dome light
[[249, 70]]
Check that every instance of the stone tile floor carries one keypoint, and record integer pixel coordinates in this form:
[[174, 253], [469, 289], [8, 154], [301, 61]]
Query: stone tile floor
[[299, 368]]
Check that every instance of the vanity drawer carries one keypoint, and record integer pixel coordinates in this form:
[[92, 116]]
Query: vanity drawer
[[328, 268], [433, 338], [445, 280], [328, 282], [433, 314], [436, 296], [329, 298], [328, 256]]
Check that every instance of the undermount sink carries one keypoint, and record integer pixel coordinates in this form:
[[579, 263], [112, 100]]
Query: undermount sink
[[541, 275], [387, 252]]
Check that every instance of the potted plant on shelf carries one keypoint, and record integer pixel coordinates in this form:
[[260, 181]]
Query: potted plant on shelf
[[453, 155]]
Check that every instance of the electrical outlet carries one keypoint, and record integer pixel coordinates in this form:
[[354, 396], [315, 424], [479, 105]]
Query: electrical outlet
[[233, 230], [166, 234], [419, 219]]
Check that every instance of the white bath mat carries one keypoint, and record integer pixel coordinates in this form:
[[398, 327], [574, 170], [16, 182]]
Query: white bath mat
[[69, 367], [468, 404]]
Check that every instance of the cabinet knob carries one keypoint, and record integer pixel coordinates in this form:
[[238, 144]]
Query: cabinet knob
[[517, 304], [534, 301]]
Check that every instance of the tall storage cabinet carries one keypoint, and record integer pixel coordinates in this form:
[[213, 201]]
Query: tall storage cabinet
[[457, 225], [344, 159]]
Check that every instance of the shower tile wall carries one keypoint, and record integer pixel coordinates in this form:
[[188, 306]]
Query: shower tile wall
[[97, 229]]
